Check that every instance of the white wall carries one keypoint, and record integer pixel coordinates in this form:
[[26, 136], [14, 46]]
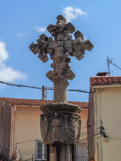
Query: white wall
[[108, 109]]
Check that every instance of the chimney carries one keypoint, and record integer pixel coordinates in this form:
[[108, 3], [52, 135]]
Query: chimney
[[101, 74]]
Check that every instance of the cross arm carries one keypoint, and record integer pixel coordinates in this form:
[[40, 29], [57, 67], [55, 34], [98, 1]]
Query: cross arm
[[79, 48], [88, 45], [51, 29], [69, 27], [44, 45], [40, 48]]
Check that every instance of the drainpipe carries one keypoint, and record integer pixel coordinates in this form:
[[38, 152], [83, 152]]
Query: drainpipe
[[12, 150]]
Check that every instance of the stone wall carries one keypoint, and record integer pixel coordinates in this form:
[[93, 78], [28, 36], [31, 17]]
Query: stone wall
[[5, 124]]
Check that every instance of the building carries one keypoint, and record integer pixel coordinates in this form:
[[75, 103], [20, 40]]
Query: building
[[20, 129], [104, 119]]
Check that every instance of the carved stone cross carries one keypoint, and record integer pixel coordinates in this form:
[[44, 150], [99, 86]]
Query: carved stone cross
[[60, 48]]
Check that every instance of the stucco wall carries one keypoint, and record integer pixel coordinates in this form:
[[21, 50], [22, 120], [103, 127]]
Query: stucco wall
[[108, 109], [5, 120], [84, 115], [27, 127], [91, 128], [81, 148], [27, 130]]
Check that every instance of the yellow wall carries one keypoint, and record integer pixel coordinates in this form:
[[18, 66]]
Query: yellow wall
[[27, 127], [108, 109], [84, 115]]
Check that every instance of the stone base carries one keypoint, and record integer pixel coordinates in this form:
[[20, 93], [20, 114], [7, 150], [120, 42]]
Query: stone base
[[60, 123]]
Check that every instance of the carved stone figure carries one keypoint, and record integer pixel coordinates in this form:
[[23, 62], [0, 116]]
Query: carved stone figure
[[72, 126], [44, 126], [56, 127]]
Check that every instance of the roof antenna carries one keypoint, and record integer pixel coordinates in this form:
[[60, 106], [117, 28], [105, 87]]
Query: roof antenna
[[108, 63]]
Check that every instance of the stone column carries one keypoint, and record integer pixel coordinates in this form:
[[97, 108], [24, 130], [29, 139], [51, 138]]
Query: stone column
[[60, 94]]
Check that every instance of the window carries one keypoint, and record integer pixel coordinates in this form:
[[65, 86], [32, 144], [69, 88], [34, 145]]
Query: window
[[41, 150]]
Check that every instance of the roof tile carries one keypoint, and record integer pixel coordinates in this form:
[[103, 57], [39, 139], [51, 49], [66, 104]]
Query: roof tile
[[38, 102], [105, 80]]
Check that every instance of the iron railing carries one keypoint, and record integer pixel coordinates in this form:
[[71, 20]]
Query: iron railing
[[78, 158], [81, 158]]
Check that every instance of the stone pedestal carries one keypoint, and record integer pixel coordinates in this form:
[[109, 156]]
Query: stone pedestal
[[60, 127]]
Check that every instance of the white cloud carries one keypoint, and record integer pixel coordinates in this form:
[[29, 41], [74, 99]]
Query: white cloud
[[21, 34], [8, 74], [72, 13], [3, 52], [40, 29]]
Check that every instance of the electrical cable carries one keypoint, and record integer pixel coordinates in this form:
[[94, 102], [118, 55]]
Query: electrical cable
[[47, 88], [80, 141], [114, 138], [41, 138], [90, 136], [21, 143]]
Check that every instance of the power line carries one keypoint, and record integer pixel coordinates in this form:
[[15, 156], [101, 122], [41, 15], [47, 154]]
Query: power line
[[80, 140], [23, 142], [90, 137], [20, 85], [47, 88], [20, 143]]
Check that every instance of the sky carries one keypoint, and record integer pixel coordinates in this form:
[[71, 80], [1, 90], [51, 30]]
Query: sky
[[23, 21]]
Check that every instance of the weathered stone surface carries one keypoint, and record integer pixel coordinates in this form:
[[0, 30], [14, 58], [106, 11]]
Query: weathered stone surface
[[60, 49], [60, 123]]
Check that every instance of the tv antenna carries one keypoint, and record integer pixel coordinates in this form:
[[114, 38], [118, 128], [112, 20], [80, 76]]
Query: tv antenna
[[109, 62]]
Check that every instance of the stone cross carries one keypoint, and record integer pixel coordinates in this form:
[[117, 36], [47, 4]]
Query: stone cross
[[60, 49]]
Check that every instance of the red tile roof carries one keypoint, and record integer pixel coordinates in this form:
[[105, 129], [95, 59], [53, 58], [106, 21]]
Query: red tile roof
[[105, 80], [37, 102]]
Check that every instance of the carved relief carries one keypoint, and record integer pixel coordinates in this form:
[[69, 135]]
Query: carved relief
[[56, 127], [44, 126], [72, 126], [60, 125]]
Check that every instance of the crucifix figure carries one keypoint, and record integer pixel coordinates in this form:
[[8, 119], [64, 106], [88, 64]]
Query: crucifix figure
[[60, 49]]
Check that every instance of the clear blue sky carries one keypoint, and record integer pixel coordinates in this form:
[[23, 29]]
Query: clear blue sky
[[21, 23]]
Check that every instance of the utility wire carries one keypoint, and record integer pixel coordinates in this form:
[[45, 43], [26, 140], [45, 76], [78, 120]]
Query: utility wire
[[90, 136], [80, 140], [35, 87], [20, 85], [23, 142]]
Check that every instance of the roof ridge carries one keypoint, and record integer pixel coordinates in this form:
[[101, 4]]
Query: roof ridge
[[24, 99], [37, 99], [106, 77], [105, 80], [34, 102]]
